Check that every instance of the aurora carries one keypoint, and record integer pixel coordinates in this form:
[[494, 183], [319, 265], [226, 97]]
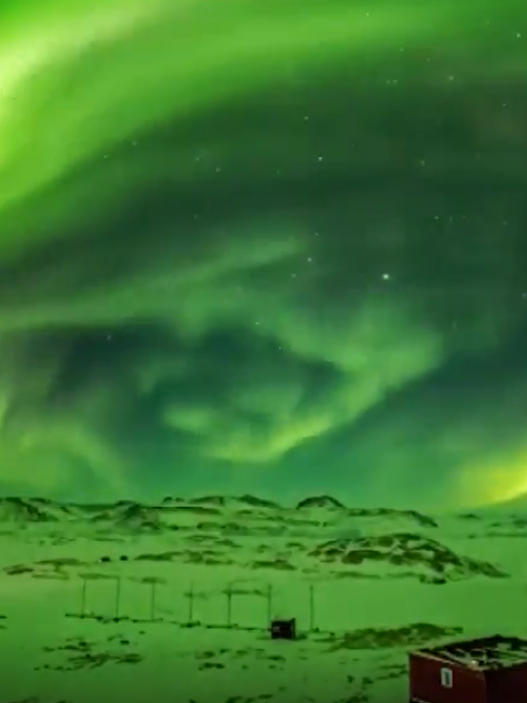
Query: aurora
[[246, 247]]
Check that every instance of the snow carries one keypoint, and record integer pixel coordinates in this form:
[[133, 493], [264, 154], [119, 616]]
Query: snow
[[411, 581]]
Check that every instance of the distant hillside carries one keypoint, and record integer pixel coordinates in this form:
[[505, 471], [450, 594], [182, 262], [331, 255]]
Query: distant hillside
[[319, 537], [420, 518], [409, 553], [323, 501], [14, 509], [243, 512], [234, 501]]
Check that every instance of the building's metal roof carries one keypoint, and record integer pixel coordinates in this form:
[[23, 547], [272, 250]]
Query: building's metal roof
[[487, 653]]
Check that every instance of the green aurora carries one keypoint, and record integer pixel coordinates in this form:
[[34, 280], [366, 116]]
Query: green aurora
[[264, 246]]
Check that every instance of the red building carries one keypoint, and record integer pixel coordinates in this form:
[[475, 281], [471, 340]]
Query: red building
[[488, 670]]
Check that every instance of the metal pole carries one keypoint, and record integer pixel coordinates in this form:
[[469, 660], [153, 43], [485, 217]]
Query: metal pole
[[117, 596], [191, 604], [228, 593], [153, 601], [84, 587], [311, 607], [269, 603]]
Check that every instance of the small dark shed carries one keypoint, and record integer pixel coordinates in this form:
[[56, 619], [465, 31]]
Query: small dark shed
[[487, 670], [283, 629]]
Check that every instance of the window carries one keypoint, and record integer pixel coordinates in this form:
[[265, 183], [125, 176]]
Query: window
[[446, 678]]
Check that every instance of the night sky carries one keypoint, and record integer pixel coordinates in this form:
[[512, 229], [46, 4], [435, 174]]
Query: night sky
[[264, 246]]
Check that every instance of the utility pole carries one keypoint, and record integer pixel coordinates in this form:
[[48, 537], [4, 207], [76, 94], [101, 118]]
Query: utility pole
[[190, 596], [228, 594], [153, 600], [311, 607], [117, 597], [84, 588], [269, 603]]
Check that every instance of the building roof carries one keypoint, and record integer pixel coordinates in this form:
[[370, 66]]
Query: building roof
[[487, 653]]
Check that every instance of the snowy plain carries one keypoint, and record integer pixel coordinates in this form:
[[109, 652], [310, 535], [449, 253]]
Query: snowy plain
[[172, 603]]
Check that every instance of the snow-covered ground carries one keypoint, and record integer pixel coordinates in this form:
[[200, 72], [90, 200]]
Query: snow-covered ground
[[172, 602]]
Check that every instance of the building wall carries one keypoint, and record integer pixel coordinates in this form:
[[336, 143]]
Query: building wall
[[507, 685], [425, 682]]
